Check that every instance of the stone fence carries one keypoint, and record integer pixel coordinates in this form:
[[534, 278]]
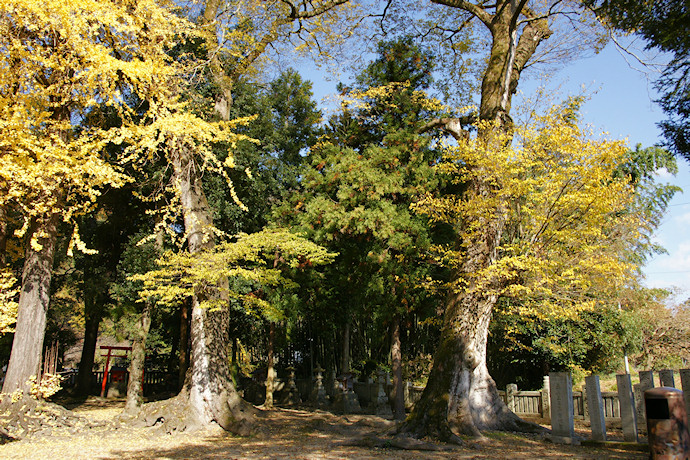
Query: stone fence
[[523, 403], [532, 403], [599, 407]]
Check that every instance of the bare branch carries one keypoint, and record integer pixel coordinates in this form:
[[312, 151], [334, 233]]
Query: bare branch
[[476, 10]]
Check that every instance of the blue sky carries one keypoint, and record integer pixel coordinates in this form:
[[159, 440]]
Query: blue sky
[[621, 104]]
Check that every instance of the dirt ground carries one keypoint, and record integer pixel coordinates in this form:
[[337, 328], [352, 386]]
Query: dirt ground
[[286, 434]]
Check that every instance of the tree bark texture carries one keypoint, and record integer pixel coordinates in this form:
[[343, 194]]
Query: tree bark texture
[[396, 361], [184, 340], [135, 386], [346, 347], [93, 312], [460, 396], [34, 298], [270, 369]]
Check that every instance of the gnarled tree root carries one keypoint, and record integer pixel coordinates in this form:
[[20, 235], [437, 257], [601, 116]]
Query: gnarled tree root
[[28, 417], [176, 415], [451, 432]]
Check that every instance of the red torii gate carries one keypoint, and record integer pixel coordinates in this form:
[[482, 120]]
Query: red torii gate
[[110, 349]]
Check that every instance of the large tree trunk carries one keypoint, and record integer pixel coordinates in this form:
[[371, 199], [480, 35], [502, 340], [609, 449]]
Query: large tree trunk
[[460, 396], [212, 396], [135, 386], [208, 395], [27, 347], [93, 313]]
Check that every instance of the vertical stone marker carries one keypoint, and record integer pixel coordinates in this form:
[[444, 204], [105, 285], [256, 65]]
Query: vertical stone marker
[[627, 406], [511, 389], [596, 408], [546, 399], [666, 378], [561, 390], [685, 383], [646, 383], [383, 407]]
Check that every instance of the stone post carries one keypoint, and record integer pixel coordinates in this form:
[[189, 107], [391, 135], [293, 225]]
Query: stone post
[[646, 383], [335, 387], [350, 401], [562, 424], [321, 396], [595, 408], [293, 392], [383, 407], [585, 402], [666, 378], [626, 401], [546, 399], [685, 383], [511, 389]]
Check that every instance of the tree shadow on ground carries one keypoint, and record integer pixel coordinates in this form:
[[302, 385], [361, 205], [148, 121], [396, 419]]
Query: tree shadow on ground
[[303, 434]]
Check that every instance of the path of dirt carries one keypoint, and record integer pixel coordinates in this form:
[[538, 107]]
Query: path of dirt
[[282, 434]]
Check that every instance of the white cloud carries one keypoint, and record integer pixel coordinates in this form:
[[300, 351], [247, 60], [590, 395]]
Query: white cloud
[[672, 269], [663, 174], [683, 218]]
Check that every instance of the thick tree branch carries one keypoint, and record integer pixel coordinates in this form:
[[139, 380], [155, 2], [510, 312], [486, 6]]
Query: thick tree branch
[[306, 14], [476, 10], [453, 126]]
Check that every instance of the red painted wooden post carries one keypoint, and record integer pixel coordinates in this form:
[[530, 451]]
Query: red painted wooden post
[[105, 371], [107, 362]]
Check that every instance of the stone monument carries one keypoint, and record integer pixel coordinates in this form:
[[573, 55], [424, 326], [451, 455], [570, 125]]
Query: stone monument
[[596, 408], [561, 391], [626, 401]]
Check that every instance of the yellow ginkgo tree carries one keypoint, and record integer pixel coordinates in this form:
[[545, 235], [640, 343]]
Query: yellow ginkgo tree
[[565, 230], [61, 63]]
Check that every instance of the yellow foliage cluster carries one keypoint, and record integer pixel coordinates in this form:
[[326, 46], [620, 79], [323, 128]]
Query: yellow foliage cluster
[[9, 291], [566, 219], [383, 95], [46, 387], [64, 67], [256, 258], [60, 61]]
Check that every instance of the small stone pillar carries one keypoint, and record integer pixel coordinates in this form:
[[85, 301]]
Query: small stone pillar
[[320, 396], [350, 401], [293, 392], [646, 383], [546, 399], [383, 407], [595, 408], [511, 390], [685, 383], [626, 401], [666, 378]]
